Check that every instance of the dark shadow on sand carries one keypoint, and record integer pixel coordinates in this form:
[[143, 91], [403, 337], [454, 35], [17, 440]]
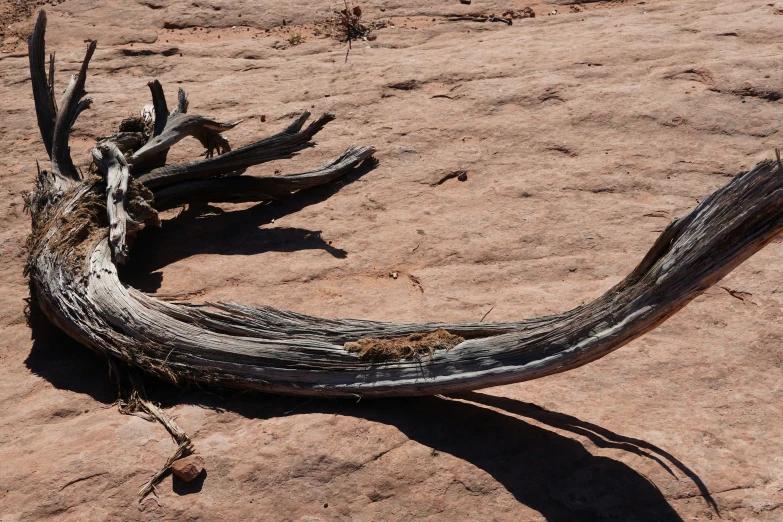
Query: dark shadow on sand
[[544, 470], [206, 229], [183, 488], [548, 472], [66, 364]]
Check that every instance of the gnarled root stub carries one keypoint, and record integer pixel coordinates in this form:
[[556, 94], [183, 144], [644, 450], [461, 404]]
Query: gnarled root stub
[[81, 229]]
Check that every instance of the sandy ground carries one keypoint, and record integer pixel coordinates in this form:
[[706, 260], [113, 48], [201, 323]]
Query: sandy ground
[[583, 134]]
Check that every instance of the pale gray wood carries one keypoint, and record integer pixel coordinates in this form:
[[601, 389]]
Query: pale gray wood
[[239, 189], [279, 146], [171, 127], [72, 103], [117, 175], [179, 126]]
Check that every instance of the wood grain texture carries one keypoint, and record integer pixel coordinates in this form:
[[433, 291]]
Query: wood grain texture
[[74, 278]]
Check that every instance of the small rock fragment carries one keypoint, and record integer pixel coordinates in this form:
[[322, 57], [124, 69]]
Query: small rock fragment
[[466, 2], [188, 468], [463, 176]]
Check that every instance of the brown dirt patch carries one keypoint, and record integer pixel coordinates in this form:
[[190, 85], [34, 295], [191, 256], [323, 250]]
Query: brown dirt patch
[[16, 20]]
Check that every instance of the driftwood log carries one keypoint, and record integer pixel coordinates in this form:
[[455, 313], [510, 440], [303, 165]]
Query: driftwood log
[[81, 226]]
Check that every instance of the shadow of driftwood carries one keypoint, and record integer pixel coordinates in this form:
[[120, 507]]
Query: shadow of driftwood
[[599, 436], [205, 229], [544, 470], [65, 363], [549, 472]]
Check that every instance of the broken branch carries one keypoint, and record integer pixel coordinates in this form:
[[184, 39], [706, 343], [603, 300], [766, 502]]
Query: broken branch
[[279, 146], [286, 352]]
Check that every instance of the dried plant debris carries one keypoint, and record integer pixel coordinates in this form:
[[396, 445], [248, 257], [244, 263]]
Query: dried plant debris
[[410, 347], [478, 17], [407, 85], [507, 17], [347, 25], [295, 39], [515, 14], [134, 124]]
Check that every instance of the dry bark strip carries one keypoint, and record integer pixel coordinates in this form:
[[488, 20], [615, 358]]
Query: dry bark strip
[[137, 404], [74, 248]]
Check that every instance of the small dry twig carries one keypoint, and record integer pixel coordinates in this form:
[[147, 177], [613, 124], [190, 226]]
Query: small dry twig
[[137, 404], [347, 26]]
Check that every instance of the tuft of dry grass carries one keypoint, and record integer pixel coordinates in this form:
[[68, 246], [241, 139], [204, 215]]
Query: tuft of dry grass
[[295, 39], [409, 347]]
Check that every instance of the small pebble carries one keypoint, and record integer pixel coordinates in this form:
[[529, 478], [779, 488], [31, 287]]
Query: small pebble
[[188, 468]]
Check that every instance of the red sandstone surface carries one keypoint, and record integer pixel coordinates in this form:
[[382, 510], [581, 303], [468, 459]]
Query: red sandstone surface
[[582, 134]]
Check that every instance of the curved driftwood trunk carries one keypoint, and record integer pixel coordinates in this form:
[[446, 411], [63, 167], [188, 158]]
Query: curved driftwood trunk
[[81, 229]]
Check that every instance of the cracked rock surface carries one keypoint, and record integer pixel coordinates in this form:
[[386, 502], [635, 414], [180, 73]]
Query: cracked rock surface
[[582, 135]]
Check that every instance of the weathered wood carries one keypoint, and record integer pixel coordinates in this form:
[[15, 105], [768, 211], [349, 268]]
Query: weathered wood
[[43, 88], [74, 279], [159, 107], [115, 170], [239, 189], [180, 126], [72, 103], [278, 146], [125, 141], [170, 128]]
